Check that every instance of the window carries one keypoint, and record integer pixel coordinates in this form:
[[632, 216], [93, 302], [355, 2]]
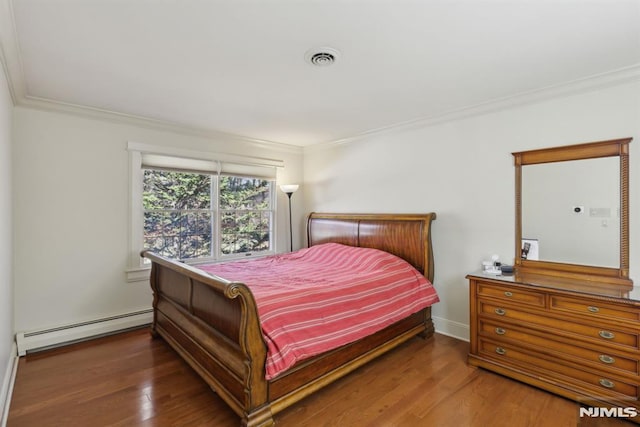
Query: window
[[178, 213], [245, 215], [198, 215], [199, 206]]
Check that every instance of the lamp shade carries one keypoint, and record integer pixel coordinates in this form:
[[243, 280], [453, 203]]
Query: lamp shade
[[289, 188]]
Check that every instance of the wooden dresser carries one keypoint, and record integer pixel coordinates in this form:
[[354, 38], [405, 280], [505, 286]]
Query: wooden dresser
[[576, 338]]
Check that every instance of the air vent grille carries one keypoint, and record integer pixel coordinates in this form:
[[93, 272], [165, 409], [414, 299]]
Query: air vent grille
[[322, 57]]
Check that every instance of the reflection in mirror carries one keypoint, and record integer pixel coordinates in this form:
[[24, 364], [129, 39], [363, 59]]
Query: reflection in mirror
[[572, 210]]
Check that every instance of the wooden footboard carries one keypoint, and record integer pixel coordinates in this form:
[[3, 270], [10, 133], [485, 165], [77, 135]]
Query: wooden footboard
[[213, 323]]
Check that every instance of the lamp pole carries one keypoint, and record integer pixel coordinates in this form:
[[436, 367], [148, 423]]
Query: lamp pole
[[289, 189], [290, 225]]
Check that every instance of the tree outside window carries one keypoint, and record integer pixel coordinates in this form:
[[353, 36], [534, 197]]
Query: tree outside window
[[197, 215]]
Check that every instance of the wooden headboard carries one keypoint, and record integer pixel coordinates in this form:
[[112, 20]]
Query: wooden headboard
[[405, 235]]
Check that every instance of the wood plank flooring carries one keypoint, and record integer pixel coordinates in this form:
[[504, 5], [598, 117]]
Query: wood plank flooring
[[131, 379]]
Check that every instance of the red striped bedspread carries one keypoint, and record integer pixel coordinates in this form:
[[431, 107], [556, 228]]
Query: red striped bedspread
[[317, 299]]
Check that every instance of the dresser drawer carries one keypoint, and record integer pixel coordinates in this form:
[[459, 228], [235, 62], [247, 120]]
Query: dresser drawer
[[600, 335], [510, 293], [599, 383], [593, 309], [597, 357]]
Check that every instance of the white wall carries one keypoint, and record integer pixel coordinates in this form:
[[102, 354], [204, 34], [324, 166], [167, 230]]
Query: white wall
[[71, 213], [6, 239], [463, 171]]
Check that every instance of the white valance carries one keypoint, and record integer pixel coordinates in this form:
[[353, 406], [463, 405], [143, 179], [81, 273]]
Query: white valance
[[167, 158]]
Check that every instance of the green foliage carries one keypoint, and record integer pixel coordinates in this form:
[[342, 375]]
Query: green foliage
[[243, 226], [179, 219], [176, 190]]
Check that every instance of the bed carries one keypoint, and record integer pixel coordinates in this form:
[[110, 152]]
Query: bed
[[213, 323]]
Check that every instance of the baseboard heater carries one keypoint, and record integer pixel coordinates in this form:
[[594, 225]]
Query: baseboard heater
[[63, 335]]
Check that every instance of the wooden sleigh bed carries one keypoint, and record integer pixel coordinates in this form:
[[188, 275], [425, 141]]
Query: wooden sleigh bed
[[213, 323]]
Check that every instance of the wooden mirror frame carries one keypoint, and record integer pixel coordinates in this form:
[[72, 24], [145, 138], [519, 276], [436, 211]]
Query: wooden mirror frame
[[610, 148]]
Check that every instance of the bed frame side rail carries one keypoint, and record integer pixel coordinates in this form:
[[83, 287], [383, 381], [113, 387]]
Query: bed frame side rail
[[213, 324]]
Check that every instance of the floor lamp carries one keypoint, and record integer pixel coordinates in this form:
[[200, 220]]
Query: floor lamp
[[289, 189]]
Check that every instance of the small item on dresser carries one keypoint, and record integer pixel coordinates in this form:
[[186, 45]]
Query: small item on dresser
[[489, 267], [506, 269]]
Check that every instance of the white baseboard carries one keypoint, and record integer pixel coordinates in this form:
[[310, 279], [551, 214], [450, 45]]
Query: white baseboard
[[38, 340], [7, 385], [450, 328]]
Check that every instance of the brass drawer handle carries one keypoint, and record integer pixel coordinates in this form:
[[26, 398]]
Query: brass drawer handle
[[508, 294], [500, 311], [593, 309], [500, 331], [606, 334], [607, 383], [606, 359], [500, 350]]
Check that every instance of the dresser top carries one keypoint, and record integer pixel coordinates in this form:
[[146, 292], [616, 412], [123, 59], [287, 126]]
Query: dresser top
[[579, 286]]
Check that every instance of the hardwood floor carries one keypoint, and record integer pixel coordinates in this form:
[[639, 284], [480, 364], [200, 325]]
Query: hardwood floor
[[131, 379]]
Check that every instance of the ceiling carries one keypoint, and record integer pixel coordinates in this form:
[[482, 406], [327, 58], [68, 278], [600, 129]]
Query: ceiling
[[238, 66]]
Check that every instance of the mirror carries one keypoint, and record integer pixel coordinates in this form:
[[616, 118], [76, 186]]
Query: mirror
[[572, 209]]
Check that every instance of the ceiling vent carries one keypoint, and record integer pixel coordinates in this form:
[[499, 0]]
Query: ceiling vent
[[322, 56]]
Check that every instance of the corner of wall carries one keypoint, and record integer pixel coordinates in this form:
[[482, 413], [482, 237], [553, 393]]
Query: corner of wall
[[451, 328], [7, 385]]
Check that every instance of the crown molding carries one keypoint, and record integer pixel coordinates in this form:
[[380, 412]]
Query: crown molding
[[578, 86], [9, 54], [575, 87], [49, 105]]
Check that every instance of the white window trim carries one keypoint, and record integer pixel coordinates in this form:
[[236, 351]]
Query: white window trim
[[137, 271]]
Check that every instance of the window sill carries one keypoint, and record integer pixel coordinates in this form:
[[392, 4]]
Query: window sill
[[138, 274]]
